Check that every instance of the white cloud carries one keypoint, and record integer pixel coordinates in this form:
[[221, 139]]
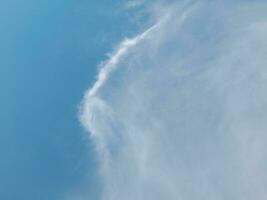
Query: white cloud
[[133, 3], [180, 111]]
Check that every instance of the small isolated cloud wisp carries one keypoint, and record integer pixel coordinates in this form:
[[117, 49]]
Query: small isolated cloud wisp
[[179, 112]]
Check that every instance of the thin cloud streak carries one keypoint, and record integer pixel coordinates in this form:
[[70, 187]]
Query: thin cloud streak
[[115, 58]]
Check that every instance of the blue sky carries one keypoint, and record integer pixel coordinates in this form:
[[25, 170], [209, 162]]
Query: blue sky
[[49, 56], [171, 94]]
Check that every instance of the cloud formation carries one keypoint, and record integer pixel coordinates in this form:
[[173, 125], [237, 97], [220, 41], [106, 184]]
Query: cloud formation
[[179, 112], [133, 3]]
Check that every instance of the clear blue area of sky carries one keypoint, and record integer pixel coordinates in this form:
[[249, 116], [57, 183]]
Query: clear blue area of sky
[[49, 51]]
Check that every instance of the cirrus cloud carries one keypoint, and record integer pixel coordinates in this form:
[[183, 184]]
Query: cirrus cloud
[[180, 111]]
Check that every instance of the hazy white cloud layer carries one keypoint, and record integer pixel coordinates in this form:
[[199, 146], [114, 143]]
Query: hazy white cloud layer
[[180, 111]]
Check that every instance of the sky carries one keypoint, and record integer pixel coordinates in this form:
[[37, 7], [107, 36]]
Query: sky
[[49, 55], [133, 100]]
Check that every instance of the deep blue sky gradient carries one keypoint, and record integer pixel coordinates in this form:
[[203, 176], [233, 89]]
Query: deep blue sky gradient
[[48, 57]]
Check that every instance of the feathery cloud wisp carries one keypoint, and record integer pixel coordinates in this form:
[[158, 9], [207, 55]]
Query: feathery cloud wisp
[[179, 112]]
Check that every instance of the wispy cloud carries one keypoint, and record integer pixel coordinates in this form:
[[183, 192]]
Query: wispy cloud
[[133, 3], [180, 111]]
